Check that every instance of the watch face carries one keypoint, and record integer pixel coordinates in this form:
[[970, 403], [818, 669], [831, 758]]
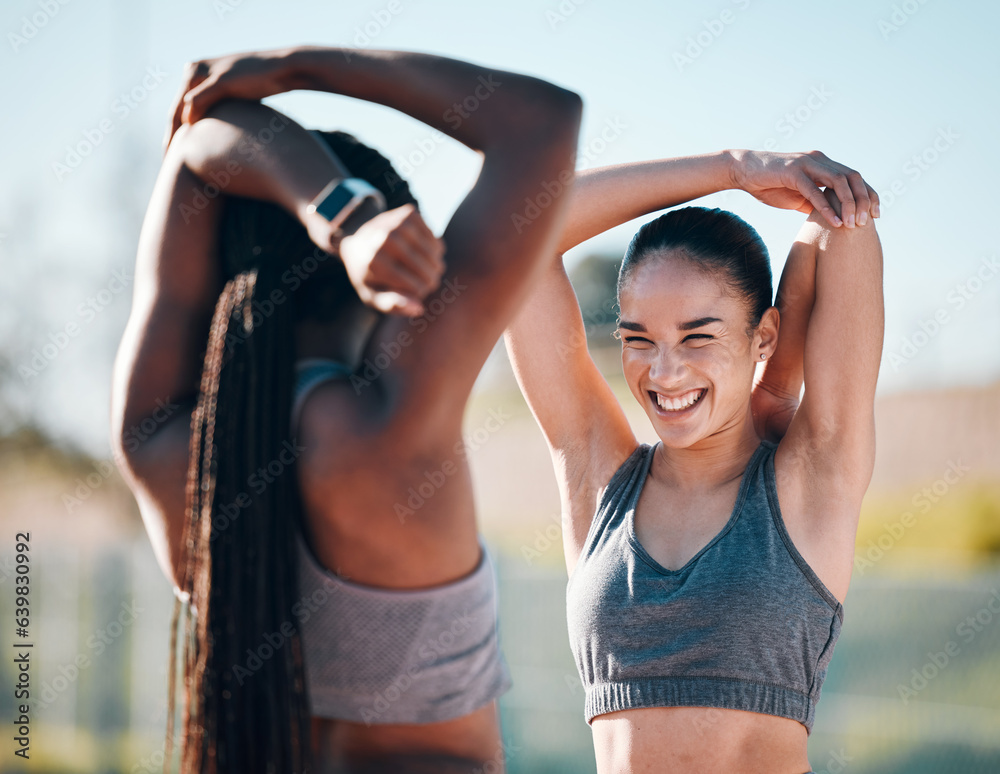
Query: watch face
[[339, 198]]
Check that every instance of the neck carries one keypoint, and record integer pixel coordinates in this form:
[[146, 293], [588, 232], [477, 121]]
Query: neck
[[710, 463]]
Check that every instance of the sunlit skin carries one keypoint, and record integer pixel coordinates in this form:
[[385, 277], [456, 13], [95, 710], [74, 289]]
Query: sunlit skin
[[364, 448], [830, 283], [685, 329]]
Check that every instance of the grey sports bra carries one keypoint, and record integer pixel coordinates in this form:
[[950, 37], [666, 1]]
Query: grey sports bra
[[746, 624]]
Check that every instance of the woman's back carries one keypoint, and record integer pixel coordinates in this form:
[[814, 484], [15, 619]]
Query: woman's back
[[362, 447], [388, 503]]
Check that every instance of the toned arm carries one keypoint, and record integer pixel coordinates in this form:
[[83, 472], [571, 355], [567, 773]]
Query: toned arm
[[178, 280]]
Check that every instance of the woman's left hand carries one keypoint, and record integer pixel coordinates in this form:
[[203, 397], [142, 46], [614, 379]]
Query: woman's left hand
[[251, 76], [792, 181]]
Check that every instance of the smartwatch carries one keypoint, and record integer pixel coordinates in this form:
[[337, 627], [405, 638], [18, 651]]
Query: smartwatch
[[342, 197]]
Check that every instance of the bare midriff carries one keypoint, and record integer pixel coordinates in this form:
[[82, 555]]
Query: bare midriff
[[465, 745], [692, 740]]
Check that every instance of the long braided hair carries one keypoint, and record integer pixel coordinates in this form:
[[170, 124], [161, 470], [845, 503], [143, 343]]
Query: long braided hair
[[245, 707]]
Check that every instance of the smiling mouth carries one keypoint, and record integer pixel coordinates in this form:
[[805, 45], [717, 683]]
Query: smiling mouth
[[681, 403]]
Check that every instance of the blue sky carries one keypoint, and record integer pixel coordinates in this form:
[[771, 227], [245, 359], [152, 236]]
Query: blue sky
[[905, 92]]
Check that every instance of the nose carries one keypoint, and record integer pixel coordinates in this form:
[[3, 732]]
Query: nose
[[668, 368]]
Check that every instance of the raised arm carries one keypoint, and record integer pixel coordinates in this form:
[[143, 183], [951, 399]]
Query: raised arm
[[609, 196], [775, 396], [582, 421], [525, 129], [579, 415], [478, 106], [178, 279], [178, 276], [832, 436]]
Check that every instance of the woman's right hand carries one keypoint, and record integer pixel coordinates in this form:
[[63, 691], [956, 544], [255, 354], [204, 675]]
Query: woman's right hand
[[793, 181], [393, 260], [250, 76]]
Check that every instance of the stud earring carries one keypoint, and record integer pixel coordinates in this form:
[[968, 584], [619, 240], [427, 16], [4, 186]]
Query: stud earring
[[762, 356]]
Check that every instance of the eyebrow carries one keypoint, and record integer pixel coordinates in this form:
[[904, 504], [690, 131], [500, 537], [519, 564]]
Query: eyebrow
[[685, 326], [698, 323]]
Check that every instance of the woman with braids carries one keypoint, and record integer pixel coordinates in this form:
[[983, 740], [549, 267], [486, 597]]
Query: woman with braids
[[707, 571], [329, 633]]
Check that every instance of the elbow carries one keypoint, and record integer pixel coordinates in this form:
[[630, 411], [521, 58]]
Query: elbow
[[119, 437], [556, 112], [534, 113], [123, 448], [567, 104]]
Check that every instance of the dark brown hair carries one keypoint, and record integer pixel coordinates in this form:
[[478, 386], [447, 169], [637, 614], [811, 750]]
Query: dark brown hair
[[714, 240]]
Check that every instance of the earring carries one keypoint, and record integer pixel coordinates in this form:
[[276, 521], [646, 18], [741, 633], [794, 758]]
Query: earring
[[762, 356]]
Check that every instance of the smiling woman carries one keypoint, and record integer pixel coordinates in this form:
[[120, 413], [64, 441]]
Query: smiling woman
[[706, 572], [701, 256]]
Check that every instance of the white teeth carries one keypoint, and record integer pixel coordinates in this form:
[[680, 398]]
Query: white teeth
[[675, 404]]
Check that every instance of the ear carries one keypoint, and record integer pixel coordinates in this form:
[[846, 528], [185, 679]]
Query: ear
[[765, 339]]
